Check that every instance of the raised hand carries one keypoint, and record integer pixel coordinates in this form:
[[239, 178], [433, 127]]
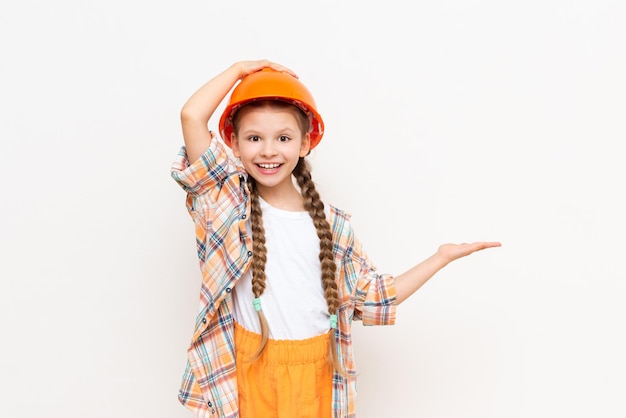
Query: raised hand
[[408, 282], [451, 252], [249, 67]]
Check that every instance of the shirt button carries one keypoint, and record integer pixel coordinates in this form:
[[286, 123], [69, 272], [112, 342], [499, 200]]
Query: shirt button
[[210, 404], [228, 290], [249, 253], [204, 320], [243, 216]]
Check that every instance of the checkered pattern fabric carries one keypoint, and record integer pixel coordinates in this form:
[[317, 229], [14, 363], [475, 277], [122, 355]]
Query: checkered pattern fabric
[[218, 202]]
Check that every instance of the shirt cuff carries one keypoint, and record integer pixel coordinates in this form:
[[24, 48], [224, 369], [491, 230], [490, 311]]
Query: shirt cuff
[[381, 308], [206, 172]]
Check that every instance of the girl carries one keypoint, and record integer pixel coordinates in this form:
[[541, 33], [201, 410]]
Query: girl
[[283, 274]]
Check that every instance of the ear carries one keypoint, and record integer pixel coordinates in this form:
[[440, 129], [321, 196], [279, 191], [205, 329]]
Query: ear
[[305, 145], [234, 145]]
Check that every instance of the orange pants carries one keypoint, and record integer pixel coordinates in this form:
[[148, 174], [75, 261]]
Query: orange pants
[[291, 379]]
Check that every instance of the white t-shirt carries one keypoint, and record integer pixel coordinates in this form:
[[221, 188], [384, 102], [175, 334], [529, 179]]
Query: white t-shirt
[[293, 300]]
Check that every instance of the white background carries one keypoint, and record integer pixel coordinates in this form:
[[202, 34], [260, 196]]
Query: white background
[[446, 121]]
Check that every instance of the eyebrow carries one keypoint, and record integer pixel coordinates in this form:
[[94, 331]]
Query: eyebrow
[[284, 131]]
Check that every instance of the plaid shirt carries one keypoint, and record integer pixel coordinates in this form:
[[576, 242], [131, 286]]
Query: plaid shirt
[[218, 202]]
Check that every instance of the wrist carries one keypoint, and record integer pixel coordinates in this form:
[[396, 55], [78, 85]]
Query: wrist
[[439, 260], [238, 70]]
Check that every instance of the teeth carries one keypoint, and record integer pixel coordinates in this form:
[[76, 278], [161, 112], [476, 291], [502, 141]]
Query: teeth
[[268, 165]]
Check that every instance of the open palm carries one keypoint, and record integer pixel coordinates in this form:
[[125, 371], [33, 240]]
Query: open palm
[[451, 252]]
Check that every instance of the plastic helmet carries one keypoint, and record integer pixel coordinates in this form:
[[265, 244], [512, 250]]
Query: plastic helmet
[[269, 84]]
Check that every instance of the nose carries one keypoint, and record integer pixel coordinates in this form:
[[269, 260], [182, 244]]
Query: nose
[[268, 149]]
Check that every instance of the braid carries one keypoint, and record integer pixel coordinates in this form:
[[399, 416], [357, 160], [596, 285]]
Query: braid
[[314, 205], [259, 258]]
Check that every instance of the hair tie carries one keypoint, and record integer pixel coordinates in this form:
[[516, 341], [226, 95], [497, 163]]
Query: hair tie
[[257, 304], [333, 321]]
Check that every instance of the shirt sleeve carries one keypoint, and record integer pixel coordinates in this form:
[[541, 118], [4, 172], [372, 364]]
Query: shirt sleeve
[[205, 173], [375, 301], [371, 295]]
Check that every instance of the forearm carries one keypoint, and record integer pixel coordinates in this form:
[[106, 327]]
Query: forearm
[[407, 283], [410, 281], [199, 108]]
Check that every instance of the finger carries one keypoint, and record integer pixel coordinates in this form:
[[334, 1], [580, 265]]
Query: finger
[[282, 68], [485, 245]]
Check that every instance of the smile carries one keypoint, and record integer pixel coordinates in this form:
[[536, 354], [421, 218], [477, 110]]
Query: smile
[[269, 166]]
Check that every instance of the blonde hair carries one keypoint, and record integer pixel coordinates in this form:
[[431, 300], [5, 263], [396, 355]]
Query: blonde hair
[[315, 207]]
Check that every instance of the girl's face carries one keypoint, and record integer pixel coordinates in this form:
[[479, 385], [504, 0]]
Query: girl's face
[[269, 143]]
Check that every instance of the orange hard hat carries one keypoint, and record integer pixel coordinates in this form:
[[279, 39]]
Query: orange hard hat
[[269, 84]]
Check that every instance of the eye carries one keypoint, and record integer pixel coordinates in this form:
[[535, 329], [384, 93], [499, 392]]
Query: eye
[[283, 138], [254, 138]]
